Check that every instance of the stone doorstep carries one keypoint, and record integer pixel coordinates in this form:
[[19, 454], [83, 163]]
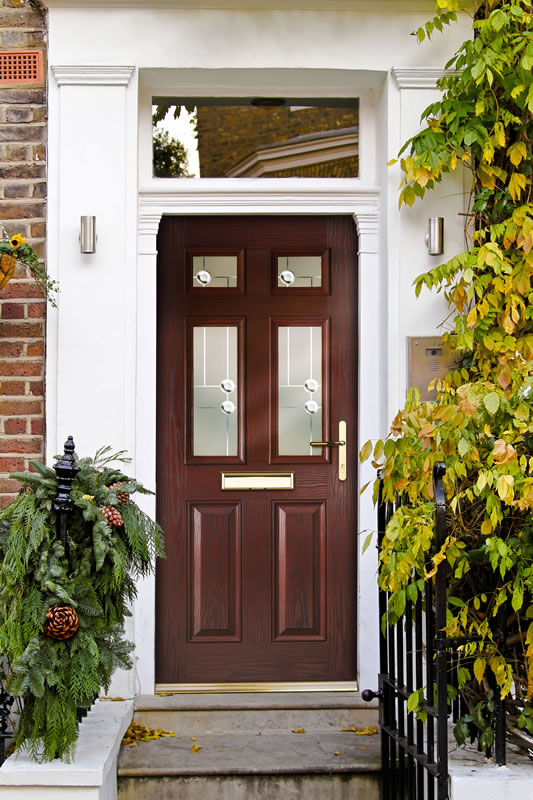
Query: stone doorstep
[[262, 753], [94, 762], [218, 713], [252, 734]]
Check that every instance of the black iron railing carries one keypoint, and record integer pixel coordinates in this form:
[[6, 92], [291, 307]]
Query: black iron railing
[[415, 656]]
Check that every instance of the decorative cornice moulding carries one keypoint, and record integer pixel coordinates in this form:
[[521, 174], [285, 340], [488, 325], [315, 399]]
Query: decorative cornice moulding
[[89, 75], [377, 6], [418, 77]]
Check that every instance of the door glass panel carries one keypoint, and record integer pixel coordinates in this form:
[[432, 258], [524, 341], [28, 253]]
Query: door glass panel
[[299, 390], [214, 272], [215, 415], [298, 271]]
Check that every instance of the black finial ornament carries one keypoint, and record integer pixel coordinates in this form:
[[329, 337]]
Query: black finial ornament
[[66, 470]]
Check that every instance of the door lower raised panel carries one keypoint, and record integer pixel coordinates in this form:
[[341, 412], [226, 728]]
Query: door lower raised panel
[[299, 571], [214, 575]]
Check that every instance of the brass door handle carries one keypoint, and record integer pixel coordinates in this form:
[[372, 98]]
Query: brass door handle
[[341, 444]]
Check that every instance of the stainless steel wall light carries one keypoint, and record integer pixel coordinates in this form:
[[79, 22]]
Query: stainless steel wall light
[[88, 234], [435, 236]]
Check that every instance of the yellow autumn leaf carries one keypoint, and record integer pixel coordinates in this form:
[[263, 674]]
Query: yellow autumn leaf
[[361, 747], [505, 487], [366, 451], [195, 748], [298, 730], [486, 527], [193, 738], [337, 753], [439, 557], [517, 152], [479, 668], [516, 185], [499, 134], [471, 318], [368, 731]]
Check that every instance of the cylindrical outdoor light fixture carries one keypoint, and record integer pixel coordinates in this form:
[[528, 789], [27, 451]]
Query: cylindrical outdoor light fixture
[[88, 234], [435, 236]]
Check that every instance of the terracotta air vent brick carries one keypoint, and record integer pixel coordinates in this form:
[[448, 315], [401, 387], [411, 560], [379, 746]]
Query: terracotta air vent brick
[[21, 66]]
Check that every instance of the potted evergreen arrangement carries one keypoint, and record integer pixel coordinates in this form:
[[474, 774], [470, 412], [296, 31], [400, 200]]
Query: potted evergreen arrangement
[[64, 599]]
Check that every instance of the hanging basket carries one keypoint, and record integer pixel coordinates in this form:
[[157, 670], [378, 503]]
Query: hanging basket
[[7, 268]]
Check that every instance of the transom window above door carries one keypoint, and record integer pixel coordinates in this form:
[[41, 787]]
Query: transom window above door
[[259, 137]]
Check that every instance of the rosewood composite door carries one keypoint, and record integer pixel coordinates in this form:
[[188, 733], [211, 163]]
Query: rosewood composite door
[[257, 357]]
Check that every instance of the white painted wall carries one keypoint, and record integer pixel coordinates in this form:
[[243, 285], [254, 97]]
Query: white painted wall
[[105, 64]]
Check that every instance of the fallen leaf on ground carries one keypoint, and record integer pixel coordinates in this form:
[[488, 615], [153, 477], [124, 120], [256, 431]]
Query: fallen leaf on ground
[[140, 733], [195, 748], [298, 730], [114, 699], [337, 753], [361, 748], [361, 731], [193, 738], [369, 731], [259, 734]]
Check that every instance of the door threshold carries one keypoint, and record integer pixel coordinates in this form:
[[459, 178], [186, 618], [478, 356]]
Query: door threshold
[[260, 687]]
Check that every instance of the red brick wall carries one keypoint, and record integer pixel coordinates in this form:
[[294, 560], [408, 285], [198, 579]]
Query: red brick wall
[[22, 210]]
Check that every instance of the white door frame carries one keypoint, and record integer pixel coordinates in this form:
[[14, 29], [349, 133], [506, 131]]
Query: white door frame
[[242, 197]]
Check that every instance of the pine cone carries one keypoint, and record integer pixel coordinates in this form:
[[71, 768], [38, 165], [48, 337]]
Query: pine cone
[[61, 622], [123, 497], [112, 516]]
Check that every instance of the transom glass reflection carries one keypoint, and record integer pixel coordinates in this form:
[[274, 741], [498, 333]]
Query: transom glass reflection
[[214, 271], [299, 271], [299, 390], [215, 414]]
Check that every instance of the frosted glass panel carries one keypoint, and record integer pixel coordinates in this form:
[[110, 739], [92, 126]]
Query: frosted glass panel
[[299, 390], [298, 271], [215, 391], [214, 272]]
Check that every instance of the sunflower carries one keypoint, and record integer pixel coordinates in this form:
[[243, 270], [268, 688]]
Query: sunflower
[[16, 241]]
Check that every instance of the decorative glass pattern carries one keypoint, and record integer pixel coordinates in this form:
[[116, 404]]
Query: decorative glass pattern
[[214, 272], [215, 416], [299, 390], [299, 271]]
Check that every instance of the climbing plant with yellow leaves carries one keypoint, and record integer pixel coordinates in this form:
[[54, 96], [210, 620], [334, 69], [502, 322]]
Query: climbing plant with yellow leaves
[[481, 424]]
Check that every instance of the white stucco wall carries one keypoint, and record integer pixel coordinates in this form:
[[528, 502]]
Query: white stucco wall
[[105, 64]]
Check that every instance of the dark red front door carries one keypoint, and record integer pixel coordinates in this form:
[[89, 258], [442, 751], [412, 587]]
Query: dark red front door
[[257, 357]]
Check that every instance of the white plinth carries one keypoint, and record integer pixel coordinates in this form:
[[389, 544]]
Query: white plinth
[[93, 773]]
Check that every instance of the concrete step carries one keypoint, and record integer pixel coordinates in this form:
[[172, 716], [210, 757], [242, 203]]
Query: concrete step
[[248, 748], [268, 764], [216, 713]]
